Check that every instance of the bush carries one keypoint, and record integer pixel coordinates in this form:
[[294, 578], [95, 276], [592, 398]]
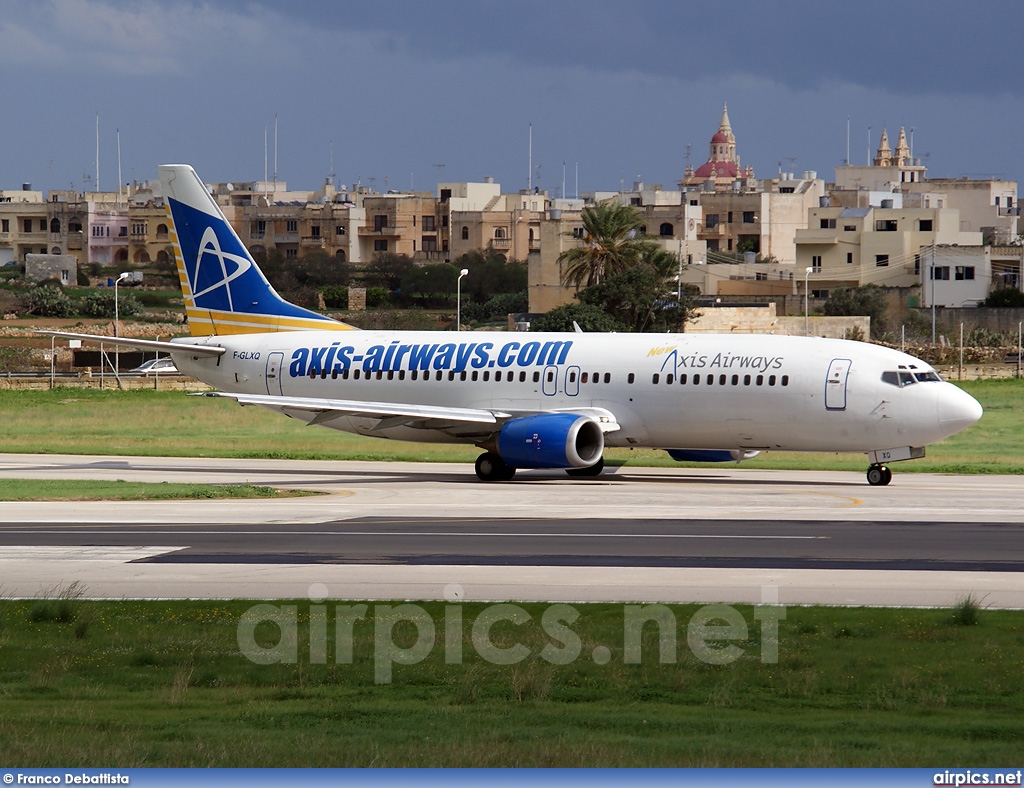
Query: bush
[[101, 304], [47, 302], [335, 296], [587, 316]]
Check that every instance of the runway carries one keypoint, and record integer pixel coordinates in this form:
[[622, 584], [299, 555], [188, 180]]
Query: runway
[[422, 531]]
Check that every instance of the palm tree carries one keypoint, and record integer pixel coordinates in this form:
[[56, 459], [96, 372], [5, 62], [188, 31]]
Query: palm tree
[[611, 244]]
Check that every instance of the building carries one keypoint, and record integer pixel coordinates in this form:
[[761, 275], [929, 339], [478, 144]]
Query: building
[[722, 169]]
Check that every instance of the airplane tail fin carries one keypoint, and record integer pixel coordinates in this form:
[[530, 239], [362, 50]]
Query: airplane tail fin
[[224, 290]]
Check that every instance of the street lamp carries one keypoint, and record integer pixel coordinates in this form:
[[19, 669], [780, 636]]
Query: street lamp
[[458, 299], [117, 349], [807, 319]]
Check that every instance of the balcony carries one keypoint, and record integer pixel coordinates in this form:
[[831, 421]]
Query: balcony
[[382, 232], [501, 243]]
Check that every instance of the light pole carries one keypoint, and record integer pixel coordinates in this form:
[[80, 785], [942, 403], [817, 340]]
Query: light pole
[[807, 319], [117, 349], [458, 299]]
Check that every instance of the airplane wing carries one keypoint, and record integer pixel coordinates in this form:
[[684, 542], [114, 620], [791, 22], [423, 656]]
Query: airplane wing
[[145, 344], [392, 414]]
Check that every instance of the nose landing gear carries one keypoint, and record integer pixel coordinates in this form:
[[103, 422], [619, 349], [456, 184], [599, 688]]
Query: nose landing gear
[[879, 475]]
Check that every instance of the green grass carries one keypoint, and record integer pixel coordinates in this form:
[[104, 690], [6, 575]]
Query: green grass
[[153, 423], [164, 684], [93, 490]]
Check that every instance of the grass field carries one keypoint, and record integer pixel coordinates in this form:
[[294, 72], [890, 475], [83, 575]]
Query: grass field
[[144, 422], [164, 684], [92, 490]]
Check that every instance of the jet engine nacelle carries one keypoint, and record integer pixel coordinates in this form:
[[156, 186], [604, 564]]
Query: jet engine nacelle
[[711, 455], [551, 440]]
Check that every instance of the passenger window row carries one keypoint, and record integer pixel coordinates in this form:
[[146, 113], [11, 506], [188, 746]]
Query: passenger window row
[[710, 379]]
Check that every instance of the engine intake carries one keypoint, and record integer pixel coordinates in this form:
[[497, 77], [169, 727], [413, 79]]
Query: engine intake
[[551, 440]]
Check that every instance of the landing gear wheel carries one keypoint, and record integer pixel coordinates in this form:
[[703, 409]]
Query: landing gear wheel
[[879, 475], [589, 471], [491, 468]]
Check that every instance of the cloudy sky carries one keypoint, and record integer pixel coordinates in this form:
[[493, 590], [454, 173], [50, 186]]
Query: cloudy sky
[[409, 93]]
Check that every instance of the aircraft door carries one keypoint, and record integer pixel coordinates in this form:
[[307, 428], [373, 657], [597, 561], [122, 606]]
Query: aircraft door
[[274, 362], [572, 381], [549, 381], [835, 384]]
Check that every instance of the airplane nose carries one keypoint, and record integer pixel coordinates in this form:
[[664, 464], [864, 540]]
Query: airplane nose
[[957, 409]]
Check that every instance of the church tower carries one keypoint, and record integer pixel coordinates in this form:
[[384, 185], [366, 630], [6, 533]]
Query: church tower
[[723, 164]]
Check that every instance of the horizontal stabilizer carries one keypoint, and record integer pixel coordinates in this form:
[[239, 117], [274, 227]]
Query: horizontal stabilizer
[[144, 344]]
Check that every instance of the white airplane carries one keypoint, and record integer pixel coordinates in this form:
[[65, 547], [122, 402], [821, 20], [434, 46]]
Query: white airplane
[[539, 400]]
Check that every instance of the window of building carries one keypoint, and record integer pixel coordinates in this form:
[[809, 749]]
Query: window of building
[[55, 225], [711, 220], [924, 225], [429, 224], [964, 273], [339, 229], [380, 245], [577, 232], [499, 233], [380, 221], [849, 258], [886, 225], [27, 224], [5, 226], [292, 226], [749, 217], [940, 273], [291, 254], [666, 229], [849, 228], [258, 228], [314, 231], [729, 217], [917, 265], [816, 263], [429, 243], [465, 233], [881, 260], [827, 224]]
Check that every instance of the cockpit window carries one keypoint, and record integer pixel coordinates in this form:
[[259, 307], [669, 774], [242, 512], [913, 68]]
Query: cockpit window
[[903, 378]]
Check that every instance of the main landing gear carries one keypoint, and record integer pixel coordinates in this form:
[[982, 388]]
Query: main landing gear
[[879, 475], [491, 468]]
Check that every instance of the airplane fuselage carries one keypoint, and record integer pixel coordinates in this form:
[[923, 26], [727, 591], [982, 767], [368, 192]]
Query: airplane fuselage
[[668, 391]]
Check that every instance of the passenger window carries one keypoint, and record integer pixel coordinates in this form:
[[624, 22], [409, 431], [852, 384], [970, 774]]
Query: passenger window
[[474, 375], [536, 377], [696, 380], [413, 375], [785, 380], [391, 375], [584, 377], [440, 375], [735, 380], [344, 374], [355, 375], [572, 377], [746, 380], [380, 374], [682, 379], [669, 378], [401, 374], [721, 380], [487, 375], [607, 377], [551, 377], [462, 375], [760, 380], [630, 378], [771, 380], [334, 374], [711, 379], [655, 378], [451, 375]]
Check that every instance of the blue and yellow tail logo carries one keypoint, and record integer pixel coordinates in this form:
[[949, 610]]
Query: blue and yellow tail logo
[[224, 290]]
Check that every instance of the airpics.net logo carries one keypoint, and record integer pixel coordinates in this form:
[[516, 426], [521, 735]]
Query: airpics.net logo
[[406, 634]]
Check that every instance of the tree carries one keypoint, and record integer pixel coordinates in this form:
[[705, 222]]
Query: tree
[[490, 275], [387, 269], [1004, 297], [431, 285], [102, 304], [639, 299], [611, 244], [867, 300], [587, 316]]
